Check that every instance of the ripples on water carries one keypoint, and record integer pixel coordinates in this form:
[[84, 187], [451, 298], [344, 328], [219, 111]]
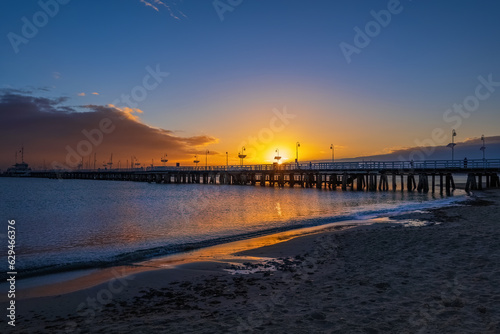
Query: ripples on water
[[78, 222]]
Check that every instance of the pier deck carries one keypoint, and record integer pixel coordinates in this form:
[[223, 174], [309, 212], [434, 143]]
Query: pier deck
[[422, 176]]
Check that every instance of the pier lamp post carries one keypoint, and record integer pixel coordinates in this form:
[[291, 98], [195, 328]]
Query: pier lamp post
[[297, 145], [277, 157], [227, 161], [135, 162], [483, 148], [452, 144], [196, 161], [333, 152], [241, 155], [206, 159], [164, 159]]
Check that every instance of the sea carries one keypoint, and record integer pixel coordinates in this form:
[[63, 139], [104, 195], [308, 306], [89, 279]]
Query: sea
[[68, 225]]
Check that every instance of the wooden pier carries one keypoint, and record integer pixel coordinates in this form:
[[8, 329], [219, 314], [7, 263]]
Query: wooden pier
[[426, 176]]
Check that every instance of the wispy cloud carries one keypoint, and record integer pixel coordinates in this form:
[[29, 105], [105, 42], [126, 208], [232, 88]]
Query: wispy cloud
[[56, 75], [149, 4], [84, 94], [127, 112], [171, 8]]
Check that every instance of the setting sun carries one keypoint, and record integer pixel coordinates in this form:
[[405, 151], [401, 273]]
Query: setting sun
[[150, 146]]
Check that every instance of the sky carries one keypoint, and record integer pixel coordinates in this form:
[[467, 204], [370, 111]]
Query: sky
[[373, 78]]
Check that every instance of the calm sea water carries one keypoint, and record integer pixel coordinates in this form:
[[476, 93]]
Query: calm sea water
[[76, 224]]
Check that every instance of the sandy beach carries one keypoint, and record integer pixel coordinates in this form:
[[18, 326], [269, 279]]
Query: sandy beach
[[443, 277]]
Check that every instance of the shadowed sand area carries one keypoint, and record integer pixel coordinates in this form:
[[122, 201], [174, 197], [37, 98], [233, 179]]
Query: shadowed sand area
[[383, 278]]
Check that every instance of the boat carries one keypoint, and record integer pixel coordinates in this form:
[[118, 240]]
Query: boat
[[21, 169]]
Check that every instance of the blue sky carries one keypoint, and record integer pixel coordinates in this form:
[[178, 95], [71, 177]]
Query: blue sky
[[226, 76]]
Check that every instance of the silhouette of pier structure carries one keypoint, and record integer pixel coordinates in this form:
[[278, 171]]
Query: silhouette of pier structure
[[422, 176]]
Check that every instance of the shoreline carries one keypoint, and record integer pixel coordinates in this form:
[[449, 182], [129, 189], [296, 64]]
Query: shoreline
[[70, 281], [328, 274], [228, 252], [231, 252]]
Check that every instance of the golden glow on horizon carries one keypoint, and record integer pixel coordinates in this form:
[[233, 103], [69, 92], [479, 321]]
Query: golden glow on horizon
[[320, 118], [263, 154]]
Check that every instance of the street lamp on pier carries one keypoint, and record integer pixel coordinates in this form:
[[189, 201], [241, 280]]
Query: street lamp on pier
[[333, 152], [277, 157], [297, 145], [483, 148], [241, 155], [206, 159], [452, 144], [164, 159]]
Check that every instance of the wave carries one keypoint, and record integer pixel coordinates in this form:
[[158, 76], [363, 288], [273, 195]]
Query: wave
[[135, 256]]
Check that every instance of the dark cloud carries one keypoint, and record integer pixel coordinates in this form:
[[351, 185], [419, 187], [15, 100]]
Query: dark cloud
[[52, 132], [16, 91]]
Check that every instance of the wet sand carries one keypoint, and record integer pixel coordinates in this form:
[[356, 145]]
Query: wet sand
[[440, 278]]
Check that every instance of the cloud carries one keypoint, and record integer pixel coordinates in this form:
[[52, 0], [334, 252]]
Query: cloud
[[172, 8], [27, 89], [126, 111], [17, 90], [148, 4], [469, 148], [50, 130], [56, 75], [84, 94]]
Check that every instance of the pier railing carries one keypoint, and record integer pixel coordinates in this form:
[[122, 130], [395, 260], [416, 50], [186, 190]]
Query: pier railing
[[346, 166], [362, 175], [430, 165]]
